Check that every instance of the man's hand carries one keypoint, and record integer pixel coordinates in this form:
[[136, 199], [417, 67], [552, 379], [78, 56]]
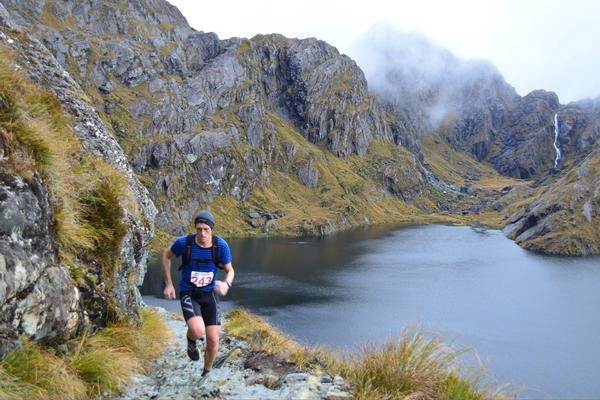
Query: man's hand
[[221, 288], [169, 292]]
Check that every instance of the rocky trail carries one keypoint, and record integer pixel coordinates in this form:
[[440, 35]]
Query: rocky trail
[[239, 373]]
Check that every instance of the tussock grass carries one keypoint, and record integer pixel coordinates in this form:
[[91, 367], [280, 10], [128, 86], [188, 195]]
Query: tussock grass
[[105, 368], [145, 342], [413, 366], [106, 361], [12, 388], [34, 373], [263, 337], [101, 363]]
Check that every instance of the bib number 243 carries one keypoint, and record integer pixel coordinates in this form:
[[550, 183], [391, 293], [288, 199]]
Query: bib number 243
[[200, 279]]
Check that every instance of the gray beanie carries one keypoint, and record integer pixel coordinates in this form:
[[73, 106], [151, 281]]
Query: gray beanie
[[205, 217]]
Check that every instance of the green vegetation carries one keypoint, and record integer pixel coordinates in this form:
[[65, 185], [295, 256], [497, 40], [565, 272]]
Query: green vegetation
[[458, 168], [413, 366], [347, 191], [100, 363], [34, 373]]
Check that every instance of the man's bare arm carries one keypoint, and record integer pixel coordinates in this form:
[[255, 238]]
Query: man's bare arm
[[169, 291], [222, 287]]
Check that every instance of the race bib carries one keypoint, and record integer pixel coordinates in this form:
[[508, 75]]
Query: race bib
[[200, 279]]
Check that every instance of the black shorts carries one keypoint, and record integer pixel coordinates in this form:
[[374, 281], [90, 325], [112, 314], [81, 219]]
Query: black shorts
[[201, 304]]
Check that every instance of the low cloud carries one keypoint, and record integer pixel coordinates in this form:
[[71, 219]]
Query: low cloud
[[417, 76]]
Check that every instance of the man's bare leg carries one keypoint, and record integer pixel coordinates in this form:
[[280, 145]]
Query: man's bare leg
[[212, 345], [196, 328]]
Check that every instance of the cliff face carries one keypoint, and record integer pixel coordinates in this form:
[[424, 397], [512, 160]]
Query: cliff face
[[525, 144], [205, 120], [578, 128], [65, 189]]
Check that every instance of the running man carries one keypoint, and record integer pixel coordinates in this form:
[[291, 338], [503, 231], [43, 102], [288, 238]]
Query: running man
[[202, 254]]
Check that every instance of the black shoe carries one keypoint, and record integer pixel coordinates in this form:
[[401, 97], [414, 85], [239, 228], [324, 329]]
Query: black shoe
[[205, 372], [192, 350]]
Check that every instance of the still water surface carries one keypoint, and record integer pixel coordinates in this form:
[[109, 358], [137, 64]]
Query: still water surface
[[534, 320]]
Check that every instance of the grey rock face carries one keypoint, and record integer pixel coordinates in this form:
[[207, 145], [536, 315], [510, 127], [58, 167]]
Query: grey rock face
[[308, 174], [526, 140], [427, 89], [37, 297], [407, 183], [183, 149], [202, 47], [196, 82], [470, 105], [322, 92], [97, 141], [579, 128]]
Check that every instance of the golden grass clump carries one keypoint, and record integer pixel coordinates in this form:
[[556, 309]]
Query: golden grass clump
[[106, 361], [146, 342], [12, 388], [263, 337], [105, 369], [412, 367], [101, 363], [34, 373]]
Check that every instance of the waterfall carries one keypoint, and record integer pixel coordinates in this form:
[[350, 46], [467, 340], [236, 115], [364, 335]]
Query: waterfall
[[556, 132]]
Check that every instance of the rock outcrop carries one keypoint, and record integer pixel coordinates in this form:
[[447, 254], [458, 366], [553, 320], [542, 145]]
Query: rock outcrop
[[37, 297], [579, 128], [469, 104], [525, 143], [40, 295], [565, 219]]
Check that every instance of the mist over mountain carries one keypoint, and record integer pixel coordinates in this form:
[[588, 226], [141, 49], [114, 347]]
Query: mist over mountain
[[412, 73], [467, 102]]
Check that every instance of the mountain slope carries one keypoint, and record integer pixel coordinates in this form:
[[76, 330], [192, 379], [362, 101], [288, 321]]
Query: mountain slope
[[285, 136], [470, 103], [565, 218]]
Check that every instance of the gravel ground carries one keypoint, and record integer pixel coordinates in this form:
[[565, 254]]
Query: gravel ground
[[239, 373]]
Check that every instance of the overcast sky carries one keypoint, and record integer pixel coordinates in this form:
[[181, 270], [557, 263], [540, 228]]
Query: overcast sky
[[536, 44]]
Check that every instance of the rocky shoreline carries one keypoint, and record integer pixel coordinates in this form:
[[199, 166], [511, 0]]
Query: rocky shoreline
[[239, 373]]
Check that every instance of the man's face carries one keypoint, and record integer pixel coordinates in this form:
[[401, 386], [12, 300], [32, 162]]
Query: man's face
[[204, 233]]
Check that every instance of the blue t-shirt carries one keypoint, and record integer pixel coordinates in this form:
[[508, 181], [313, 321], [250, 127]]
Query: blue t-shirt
[[200, 273]]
